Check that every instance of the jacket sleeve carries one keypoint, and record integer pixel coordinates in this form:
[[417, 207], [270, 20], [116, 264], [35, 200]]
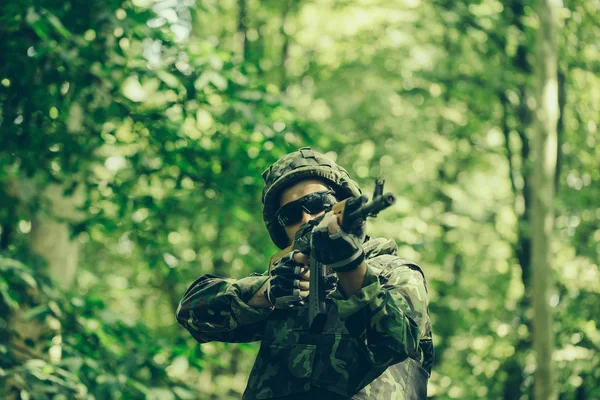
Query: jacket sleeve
[[216, 309], [389, 312]]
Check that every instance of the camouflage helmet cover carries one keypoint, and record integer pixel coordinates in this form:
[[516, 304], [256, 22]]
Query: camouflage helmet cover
[[293, 167]]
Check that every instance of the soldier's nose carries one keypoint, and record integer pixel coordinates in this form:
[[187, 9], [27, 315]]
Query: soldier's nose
[[309, 217], [306, 217]]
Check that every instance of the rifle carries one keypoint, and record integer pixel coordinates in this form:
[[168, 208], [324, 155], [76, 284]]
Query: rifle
[[317, 313]]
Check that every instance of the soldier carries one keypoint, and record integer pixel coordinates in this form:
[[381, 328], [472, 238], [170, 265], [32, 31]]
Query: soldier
[[376, 342]]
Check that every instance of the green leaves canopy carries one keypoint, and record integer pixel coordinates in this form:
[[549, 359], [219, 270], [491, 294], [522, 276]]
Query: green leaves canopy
[[161, 117]]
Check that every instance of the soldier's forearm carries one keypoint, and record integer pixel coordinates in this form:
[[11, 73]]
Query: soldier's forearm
[[352, 281], [259, 300]]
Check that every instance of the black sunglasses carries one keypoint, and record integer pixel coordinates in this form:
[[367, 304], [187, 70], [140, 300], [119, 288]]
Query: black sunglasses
[[312, 203]]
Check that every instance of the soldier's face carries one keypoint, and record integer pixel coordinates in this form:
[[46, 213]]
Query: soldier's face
[[295, 192]]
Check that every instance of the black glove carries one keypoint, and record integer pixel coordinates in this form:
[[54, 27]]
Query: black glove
[[343, 250], [283, 288]]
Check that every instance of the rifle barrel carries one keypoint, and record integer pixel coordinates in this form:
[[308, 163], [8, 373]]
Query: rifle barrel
[[373, 208]]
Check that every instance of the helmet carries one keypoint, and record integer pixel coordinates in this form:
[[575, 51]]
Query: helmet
[[292, 168]]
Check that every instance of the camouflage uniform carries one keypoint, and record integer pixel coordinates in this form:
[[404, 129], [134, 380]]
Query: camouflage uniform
[[375, 344]]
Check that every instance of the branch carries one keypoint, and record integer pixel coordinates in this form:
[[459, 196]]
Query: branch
[[560, 127], [506, 132]]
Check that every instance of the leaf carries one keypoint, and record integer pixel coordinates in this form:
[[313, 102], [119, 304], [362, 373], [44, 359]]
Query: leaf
[[183, 393], [8, 264], [57, 24], [202, 81], [160, 394], [28, 279], [218, 80], [139, 386], [8, 299], [34, 312], [169, 79], [33, 19]]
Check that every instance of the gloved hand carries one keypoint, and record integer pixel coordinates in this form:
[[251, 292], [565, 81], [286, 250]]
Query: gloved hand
[[331, 245], [288, 285]]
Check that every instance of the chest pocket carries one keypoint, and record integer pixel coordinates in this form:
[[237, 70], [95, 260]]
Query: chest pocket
[[270, 377]]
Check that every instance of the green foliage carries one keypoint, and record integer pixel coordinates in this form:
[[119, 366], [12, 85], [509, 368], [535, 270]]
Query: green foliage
[[158, 118], [93, 351]]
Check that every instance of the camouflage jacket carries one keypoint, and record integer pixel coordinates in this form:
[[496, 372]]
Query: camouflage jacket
[[376, 344]]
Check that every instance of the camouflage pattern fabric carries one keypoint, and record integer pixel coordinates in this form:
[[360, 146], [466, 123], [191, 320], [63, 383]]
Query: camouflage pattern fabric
[[376, 344]]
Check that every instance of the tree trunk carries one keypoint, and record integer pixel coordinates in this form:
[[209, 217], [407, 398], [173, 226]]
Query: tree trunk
[[242, 29], [542, 217], [285, 47], [51, 235]]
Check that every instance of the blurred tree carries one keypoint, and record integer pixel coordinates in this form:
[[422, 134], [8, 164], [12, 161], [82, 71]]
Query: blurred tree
[[542, 217], [123, 134]]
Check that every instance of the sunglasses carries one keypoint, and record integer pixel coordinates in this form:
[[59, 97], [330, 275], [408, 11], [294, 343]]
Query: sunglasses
[[312, 203]]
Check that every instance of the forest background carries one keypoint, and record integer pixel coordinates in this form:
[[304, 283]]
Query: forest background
[[132, 139]]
